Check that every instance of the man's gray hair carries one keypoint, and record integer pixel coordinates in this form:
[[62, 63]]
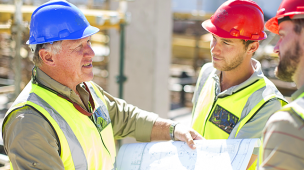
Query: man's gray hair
[[52, 48]]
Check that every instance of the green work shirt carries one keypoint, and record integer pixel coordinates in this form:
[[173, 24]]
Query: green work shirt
[[27, 132]]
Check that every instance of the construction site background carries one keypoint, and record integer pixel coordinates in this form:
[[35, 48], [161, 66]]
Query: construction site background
[[189, 49]]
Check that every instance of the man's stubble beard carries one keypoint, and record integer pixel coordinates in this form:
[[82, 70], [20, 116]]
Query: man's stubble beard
[[234, 64], [289, 62]]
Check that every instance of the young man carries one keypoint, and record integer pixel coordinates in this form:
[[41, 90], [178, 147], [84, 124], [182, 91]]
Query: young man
[[233, 99], [62, 120], [283, 138]]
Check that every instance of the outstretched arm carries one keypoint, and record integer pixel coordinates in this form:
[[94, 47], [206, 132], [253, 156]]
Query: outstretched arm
[[160, 131]]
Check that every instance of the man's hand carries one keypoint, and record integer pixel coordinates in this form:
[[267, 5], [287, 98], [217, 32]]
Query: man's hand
[[187, 135], [160, 131]]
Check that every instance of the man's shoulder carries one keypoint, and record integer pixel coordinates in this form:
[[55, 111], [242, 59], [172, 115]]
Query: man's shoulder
[[206, 70], [23, 121], [270, 89], [207, 66], [269, 82], [24, 115], [286, 115]]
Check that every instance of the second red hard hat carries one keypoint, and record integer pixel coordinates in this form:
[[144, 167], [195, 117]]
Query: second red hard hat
[[292, 8], [241, 19]]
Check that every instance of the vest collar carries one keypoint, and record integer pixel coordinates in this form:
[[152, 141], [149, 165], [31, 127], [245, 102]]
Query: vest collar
[[47, 81], [297, 93]]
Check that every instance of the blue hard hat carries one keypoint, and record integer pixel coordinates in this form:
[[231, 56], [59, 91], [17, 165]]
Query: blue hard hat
[[58, 20]]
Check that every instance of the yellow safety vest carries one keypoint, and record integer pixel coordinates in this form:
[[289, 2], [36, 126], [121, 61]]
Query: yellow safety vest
[[90, 145], [297, 107], [216, 117]]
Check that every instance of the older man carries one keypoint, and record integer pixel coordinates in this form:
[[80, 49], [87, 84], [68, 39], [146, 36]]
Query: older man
[[284, 131], [62, 120]]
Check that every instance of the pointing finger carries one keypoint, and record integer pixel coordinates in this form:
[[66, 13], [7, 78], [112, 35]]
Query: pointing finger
[[190, 141]]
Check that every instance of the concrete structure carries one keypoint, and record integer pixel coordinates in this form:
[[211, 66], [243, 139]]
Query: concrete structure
[[147, 55]]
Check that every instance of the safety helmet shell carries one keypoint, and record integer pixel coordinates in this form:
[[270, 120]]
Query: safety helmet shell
[[240, 19], [292, 8], [58, 20]]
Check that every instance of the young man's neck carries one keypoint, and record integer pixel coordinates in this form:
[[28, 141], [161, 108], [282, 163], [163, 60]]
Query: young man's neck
[[235, 76]]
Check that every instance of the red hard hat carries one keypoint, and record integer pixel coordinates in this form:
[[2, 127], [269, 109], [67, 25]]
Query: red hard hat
[[241, 19], [292, 8]]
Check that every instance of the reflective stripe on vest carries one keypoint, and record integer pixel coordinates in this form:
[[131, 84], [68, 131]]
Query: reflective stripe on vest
[[297, 106], [204, 74], [73, 130], [236, 109]]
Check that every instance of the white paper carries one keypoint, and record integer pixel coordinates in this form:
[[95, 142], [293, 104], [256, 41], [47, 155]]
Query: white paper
[[209, 154]]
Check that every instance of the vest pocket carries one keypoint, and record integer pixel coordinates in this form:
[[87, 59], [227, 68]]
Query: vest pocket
[[101, 119], [223, 119]]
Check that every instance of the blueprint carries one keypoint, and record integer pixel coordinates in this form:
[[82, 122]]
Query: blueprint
[[228, 154]]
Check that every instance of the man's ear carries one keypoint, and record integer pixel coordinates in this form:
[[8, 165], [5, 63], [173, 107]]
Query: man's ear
[[46, 57], [253, 47]]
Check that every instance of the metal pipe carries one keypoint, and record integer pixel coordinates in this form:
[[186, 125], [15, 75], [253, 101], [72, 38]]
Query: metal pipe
[[17, 32], [121, 78]]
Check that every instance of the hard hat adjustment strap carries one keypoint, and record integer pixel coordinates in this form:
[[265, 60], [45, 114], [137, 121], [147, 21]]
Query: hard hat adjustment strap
[[286, 18], [33, 47], [298, 16]]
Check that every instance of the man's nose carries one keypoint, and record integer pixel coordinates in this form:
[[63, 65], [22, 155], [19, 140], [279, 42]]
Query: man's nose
[[277, 47], [215, 49], [89, 52]]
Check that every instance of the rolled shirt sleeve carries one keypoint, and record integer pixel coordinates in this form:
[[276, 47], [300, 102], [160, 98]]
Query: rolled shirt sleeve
[[129, 120]]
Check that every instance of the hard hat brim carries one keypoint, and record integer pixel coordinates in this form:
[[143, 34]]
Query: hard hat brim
[[210, 27], [272, 25], [90, 30]]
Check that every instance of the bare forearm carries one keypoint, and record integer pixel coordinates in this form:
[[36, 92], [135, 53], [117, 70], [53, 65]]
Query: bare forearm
[[160, 129]]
